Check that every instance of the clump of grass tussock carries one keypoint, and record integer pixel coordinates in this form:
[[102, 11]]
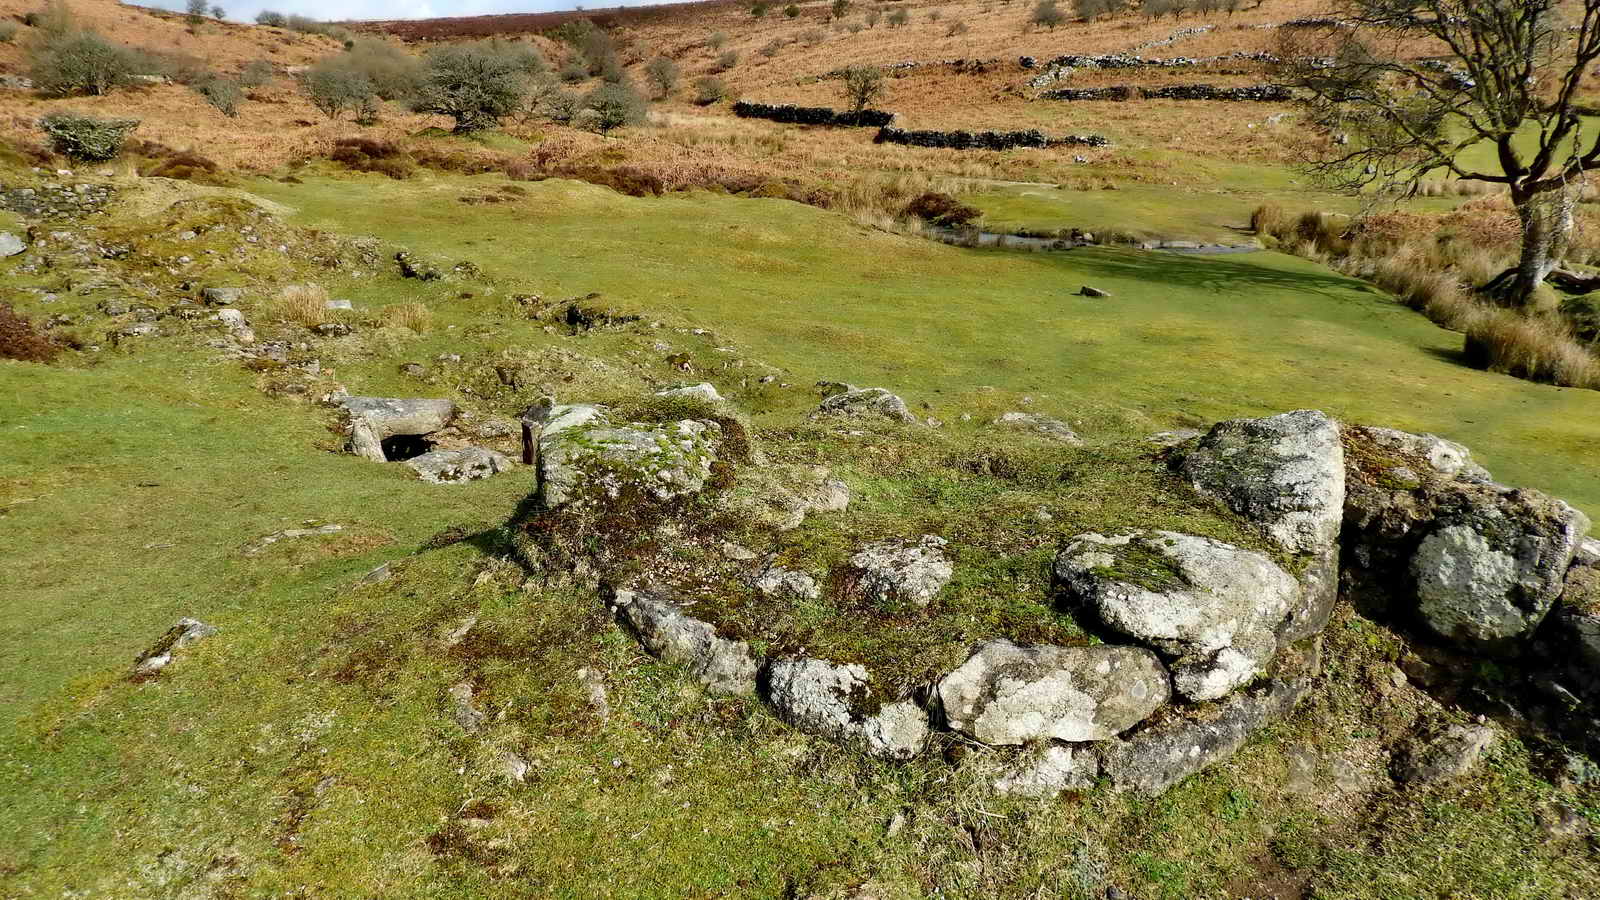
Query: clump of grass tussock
[[303, 304], [881, 202], [1530, 347], [414, 316]]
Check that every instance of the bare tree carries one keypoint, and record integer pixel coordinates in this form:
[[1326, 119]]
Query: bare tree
[[1408, 86]]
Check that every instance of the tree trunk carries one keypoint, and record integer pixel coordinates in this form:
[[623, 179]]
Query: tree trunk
[[1546, 224]]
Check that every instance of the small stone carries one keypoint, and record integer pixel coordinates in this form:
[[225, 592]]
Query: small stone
[[703, 391], [340, 304], [1087, 291], [1448, 756], [899, 572], [10, 244]]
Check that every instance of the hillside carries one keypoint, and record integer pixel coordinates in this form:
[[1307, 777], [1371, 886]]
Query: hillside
[[666, 512]]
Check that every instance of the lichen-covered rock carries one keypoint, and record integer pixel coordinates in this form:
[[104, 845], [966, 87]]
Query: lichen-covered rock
[[787, 584], [1212, 608], [186, 632], [1480, 564], [1287, 474], [894, 573], [1450, 755], [1006, 694], [582, 453], [1156, 758], [781, 496], [1049, 771], [823, 698], [372, 420], [667, 633], [1446, 458], [455, 466], [868, 402], [1044, 426], [702, 391], [1574, 625]]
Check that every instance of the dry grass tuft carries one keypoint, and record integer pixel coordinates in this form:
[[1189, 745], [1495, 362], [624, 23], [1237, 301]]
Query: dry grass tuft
[[303, 304], [1531, 347], [412, 315]]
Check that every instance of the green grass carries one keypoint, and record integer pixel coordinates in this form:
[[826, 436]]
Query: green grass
[[1183, 339], [308, 748]]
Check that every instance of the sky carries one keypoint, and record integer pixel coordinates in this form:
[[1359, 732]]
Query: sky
[[340, 10]]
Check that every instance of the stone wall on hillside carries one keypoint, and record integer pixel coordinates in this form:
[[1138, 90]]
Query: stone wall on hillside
[[813, 115], [986, 140]]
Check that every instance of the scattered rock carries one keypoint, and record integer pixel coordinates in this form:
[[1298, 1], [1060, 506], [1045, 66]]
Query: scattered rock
[[581, 453], [667, 633], [1006, 694], [594, 689], [263, 543], [780, 497], [1448, 756], [1087, 291], [469, 717], [340, 304], [413, 370], [1049, 771], [1054, 429], [10, 244], [1172, 438], [1446, 458], [187, 631], [893, 573], [373, 420], [453, 466], [703, 391], [784, 583], [1212, 607], [378, 575], [858, 402], [222, 296], [333, 329], [822, 698]]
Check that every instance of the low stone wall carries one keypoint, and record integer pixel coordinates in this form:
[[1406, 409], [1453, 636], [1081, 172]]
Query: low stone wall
[[813, 115], [1118, 93], [1259, 93], [985, 140]]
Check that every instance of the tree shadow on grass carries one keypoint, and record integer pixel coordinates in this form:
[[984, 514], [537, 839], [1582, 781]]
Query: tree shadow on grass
[[1223, 275]]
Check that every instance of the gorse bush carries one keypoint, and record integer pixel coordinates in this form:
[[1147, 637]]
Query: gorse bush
[[941, 209], [86, 137], [19, 340], [365, 155], [473, 84], [272, 19], [80, 62]]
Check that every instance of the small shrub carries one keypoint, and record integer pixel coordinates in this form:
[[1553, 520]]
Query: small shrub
[[302, 304], [727, 60], [472, 84], [8, 31], [717, 40], [663, 73], [872, 16], [86, 137], [256, 73], [759, 8], [1047, 14], [272, 19], [334, 87], [956, 28], [812, 37], [574, 71], [80, 63], [563, 106], [1582, 316], [708, 90], [392, 71], [861, 86], [614, 105], [898, 18], [165, 162], [839, 8], [791, 10], [414, 316], [222, 93], [771, 48], [19, 340], [942, 210]]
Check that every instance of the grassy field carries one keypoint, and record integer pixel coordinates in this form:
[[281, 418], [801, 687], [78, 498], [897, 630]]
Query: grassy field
[[309, 750], [1183, 339]]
